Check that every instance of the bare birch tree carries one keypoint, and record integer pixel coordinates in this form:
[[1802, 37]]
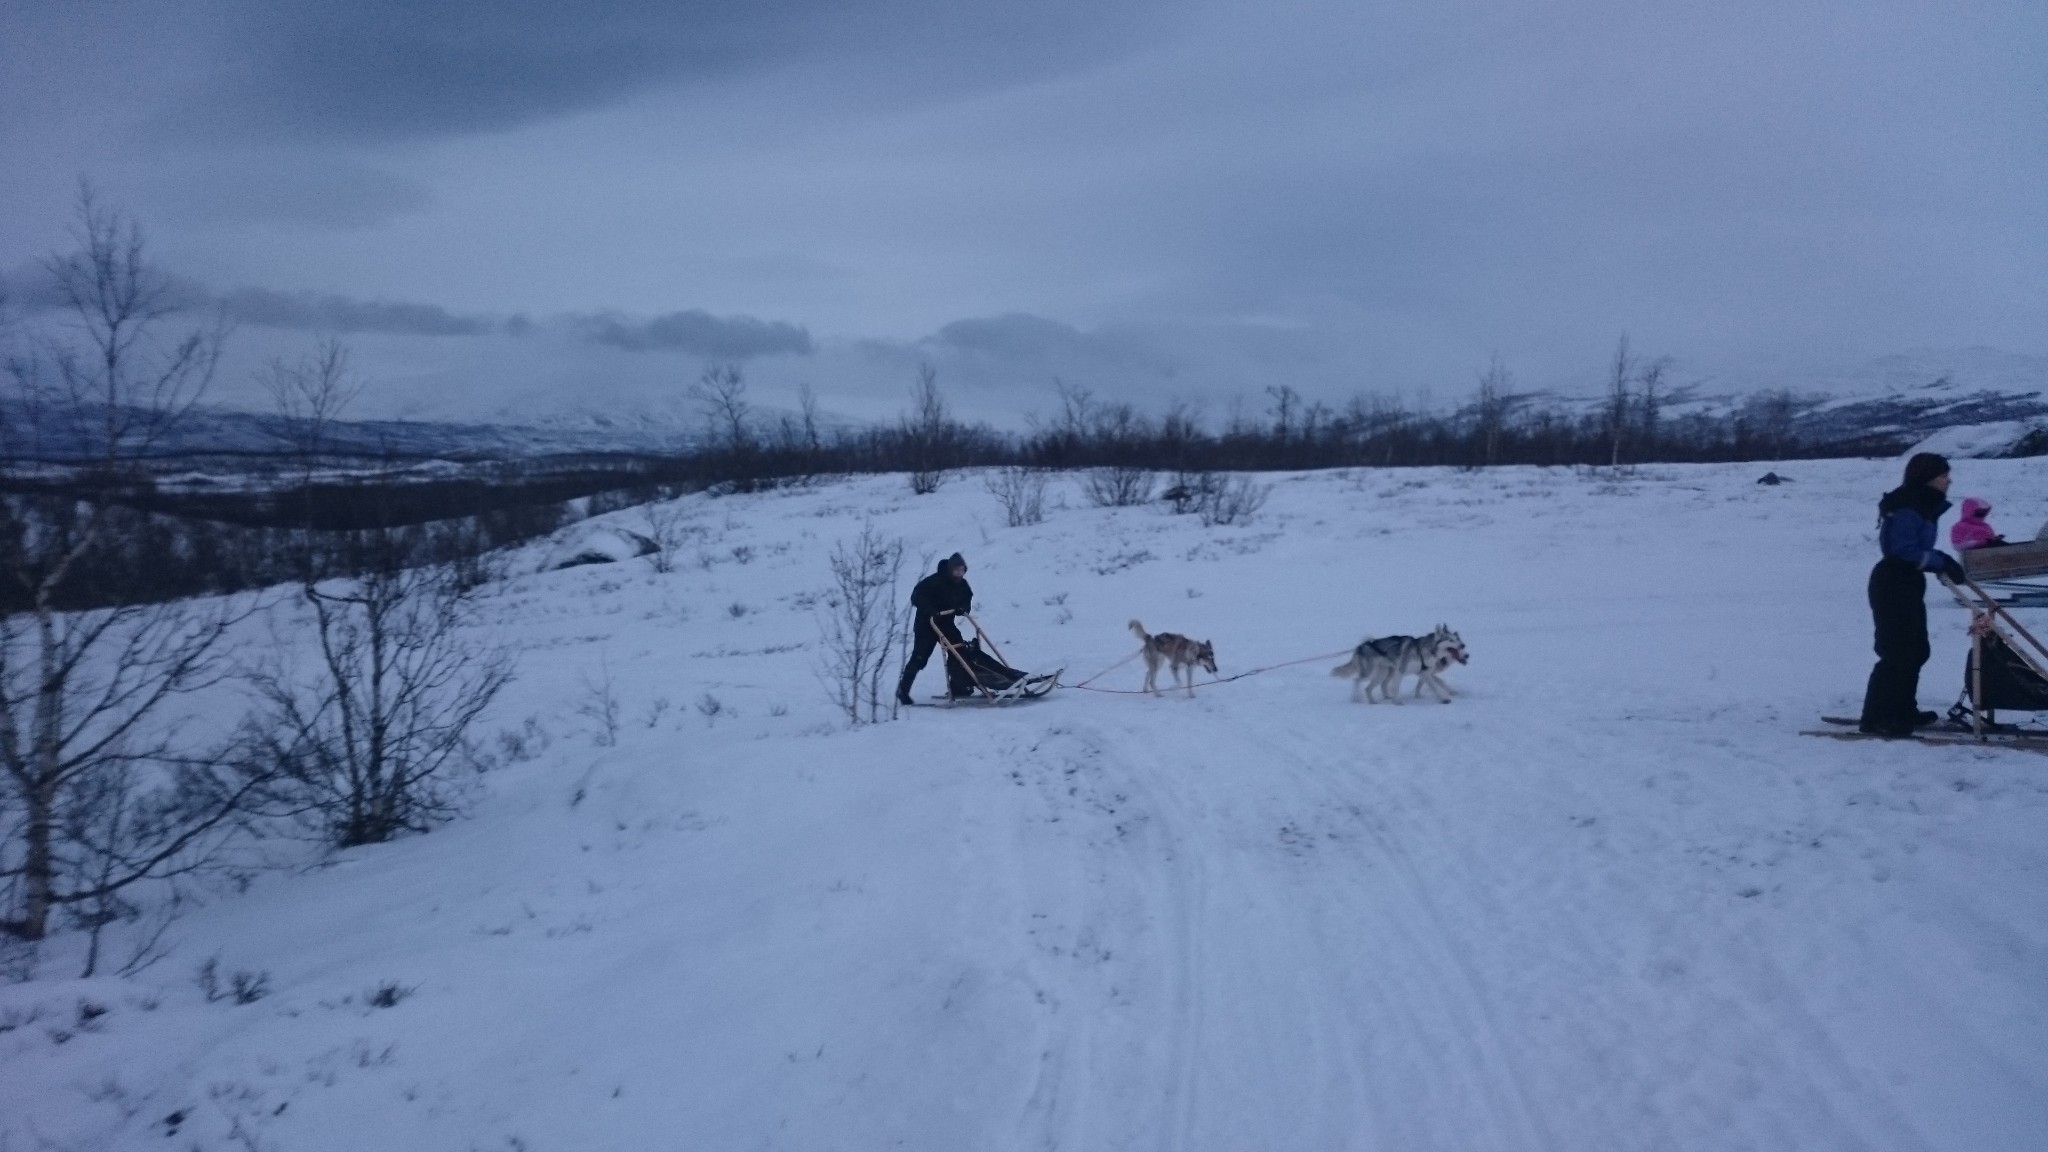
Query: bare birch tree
[[858, 625], [1651, 395], [928, 433], [1614, 416], [96, 790], [1492, 409], [721, 397]]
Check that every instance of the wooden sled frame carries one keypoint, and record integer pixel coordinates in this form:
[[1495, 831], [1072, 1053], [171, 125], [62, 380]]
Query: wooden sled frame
[[1027, 687], [1988, 615]]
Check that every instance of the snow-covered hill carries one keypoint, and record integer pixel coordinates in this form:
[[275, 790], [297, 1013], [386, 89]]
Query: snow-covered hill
[[1609, 899]]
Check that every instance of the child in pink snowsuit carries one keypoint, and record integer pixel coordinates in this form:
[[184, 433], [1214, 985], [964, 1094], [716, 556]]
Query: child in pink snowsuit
[[1973, 530]]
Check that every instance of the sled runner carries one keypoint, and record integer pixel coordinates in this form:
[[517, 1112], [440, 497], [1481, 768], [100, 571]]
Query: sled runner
[[1950, 732], [975, 673]]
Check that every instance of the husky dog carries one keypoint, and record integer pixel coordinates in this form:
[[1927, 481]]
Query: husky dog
[[1176, 651], [1382, 664]]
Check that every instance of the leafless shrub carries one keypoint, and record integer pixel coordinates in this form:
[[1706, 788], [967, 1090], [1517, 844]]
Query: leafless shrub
[[1118, 486], [858, 625], [248, 987], [1190, 491], [1021, 492], [668, 524], [711, 708], [243, 987], [600, 704], [1235, 501], [149, 947], [525, 742], [17, 964], [389, 994], [367, 744]]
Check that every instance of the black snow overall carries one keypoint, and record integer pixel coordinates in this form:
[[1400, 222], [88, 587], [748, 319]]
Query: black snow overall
[[934, 595], [1898, 605]]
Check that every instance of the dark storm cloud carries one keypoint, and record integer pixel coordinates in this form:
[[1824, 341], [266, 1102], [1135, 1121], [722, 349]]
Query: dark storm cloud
[[30, 289], [1015, 335], [388, 69], [696, 332], [1023, 339], [318, 312]]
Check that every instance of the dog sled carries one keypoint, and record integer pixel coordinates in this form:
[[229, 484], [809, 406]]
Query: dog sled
[[2007, 669], [978, 674]]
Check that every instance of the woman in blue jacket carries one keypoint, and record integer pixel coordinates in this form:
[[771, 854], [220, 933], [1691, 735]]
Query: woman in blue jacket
[[1907, 518]]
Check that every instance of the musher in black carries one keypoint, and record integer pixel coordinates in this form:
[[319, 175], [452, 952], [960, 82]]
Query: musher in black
[[939, 599], [1907, 518]]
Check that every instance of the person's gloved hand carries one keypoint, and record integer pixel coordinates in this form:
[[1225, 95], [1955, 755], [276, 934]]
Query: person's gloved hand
[[1953, 569]]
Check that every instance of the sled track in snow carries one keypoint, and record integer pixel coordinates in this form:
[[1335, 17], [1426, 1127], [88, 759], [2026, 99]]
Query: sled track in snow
[[1246, 981]]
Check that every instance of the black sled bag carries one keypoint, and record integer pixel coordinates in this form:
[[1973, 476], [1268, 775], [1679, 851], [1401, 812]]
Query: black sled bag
[[2009, 683], [991, 674]]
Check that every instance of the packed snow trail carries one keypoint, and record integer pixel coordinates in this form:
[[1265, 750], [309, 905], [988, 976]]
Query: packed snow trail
[[1609, 899]]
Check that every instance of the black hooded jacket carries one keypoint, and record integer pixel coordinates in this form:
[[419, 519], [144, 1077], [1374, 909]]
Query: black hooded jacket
[[938, 593]]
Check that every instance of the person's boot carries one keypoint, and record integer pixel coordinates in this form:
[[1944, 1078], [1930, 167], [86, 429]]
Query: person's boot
[[1925, 718], [903, 693], [1887, 727]]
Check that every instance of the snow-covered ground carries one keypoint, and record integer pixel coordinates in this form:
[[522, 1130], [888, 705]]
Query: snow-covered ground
[[1609, 899]]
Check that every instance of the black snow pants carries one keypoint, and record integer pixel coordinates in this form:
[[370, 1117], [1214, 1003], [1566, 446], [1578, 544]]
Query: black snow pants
[[922, 643], [1898, 605]]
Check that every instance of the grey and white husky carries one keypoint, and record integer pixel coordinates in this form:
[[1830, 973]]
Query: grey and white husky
[[1178, 653], [1383, 663]]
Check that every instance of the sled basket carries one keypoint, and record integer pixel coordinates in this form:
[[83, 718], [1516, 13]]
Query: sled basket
[[2009, 683], [975, 673]]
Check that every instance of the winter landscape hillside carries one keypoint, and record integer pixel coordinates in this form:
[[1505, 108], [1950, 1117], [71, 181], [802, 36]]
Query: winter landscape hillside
[[1608, 899]]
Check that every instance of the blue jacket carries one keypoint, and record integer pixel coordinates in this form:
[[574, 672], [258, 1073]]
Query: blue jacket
[[1908, 519]]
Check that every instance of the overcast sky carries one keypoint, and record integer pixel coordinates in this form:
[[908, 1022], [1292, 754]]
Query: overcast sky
[[512, 204]]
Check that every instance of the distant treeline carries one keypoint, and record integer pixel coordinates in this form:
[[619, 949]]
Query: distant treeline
[[176, 542], [1495, 427]]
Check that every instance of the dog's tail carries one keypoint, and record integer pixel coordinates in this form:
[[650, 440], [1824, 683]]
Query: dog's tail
[[1139, 630], [1347, 668]]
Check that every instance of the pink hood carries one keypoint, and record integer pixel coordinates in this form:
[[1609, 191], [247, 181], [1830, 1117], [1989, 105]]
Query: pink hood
[[1972, 531]]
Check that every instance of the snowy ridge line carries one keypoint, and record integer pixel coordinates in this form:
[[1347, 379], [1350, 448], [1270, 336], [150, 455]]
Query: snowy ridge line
[[1083, 685]]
